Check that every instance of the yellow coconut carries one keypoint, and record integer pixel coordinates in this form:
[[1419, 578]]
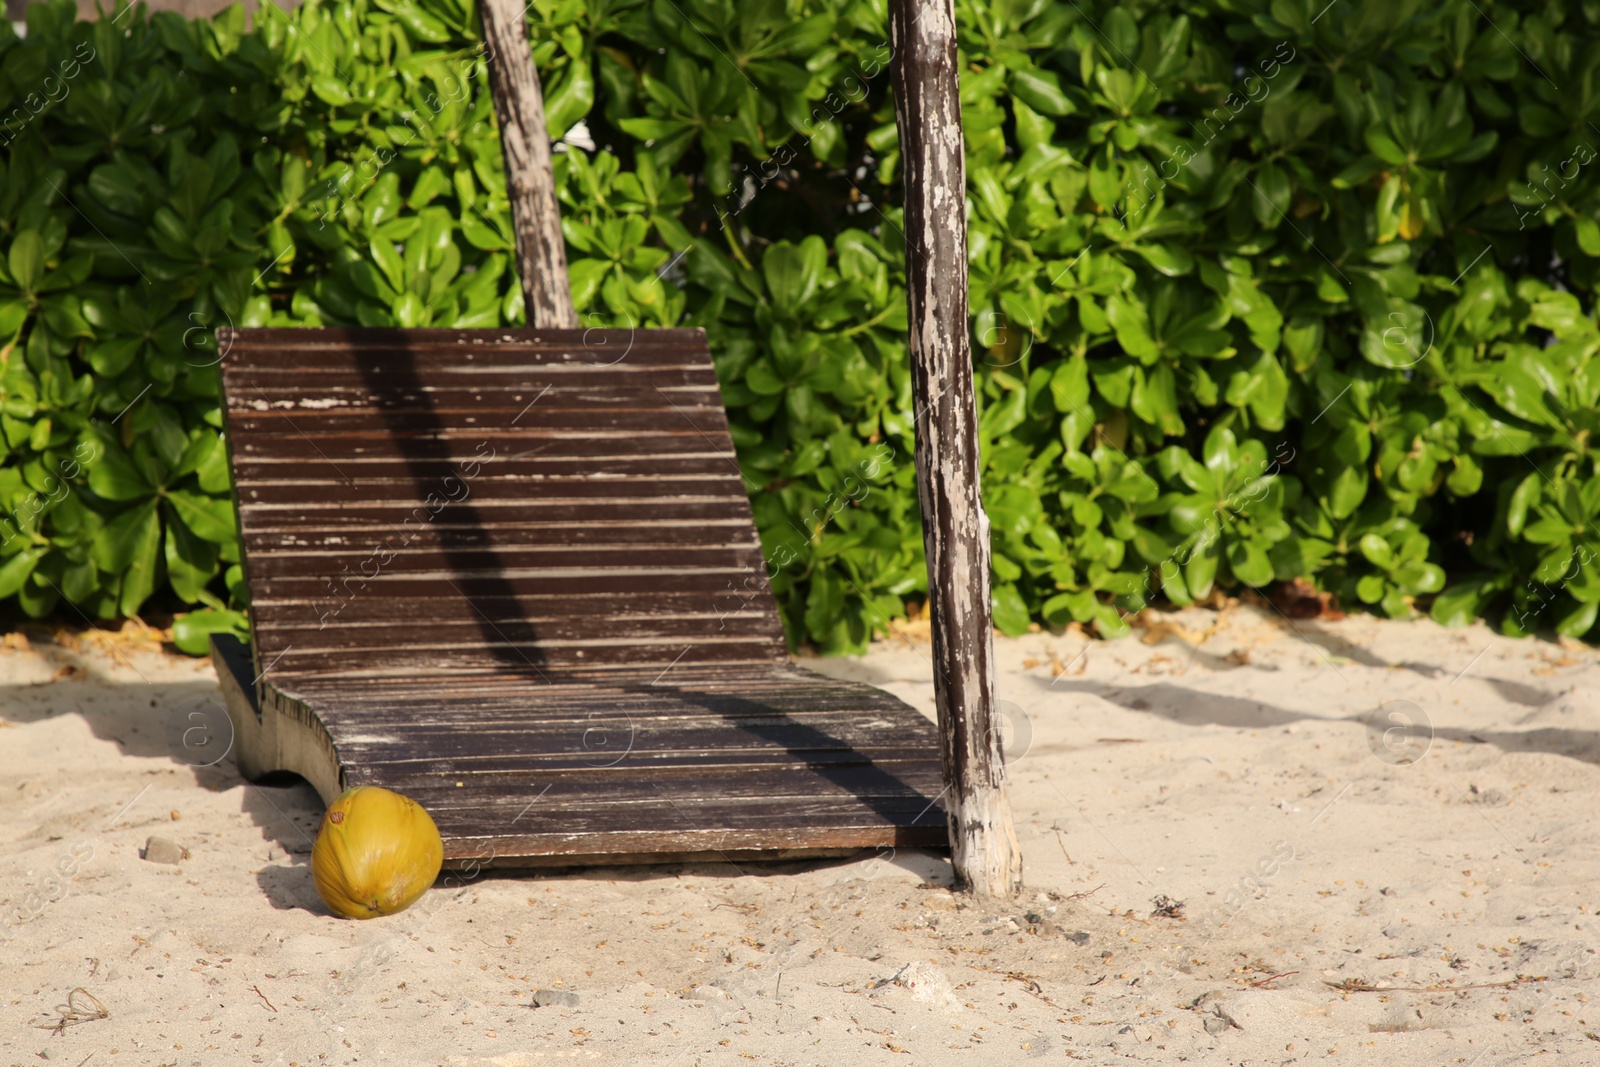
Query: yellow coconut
[[376, 853]]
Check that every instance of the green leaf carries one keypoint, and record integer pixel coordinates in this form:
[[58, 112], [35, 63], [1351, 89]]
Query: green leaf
[[1464, 602], [1111, 623], [1523, 497], [1010, 612], [762, 379], [793, 272], [114, 476], [1587, 233], [1270, 201], [14, 570], [1249, 563], [206, 458], [1069, 385], [1105, 179], [191, 633], [1377, 550], [1394, 604], [388, 261], [191, 562], [1357, 173], [571, 98], [1170, 260], [116, 187], [1129, 322], [13, 313], [1467, 478], [1348, 491], [122, 539], [585, 276], [208, 516], [422, 26], [111, 357], [1576, 618], [1041, 90], [139, 577], [1383, 146], [26, 260], [1200, 574]]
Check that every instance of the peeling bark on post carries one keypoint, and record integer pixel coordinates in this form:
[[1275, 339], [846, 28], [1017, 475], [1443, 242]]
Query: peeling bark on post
[[535, 215], [955, 529]]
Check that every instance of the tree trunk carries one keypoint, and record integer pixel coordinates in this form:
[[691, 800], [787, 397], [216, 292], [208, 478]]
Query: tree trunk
[[955, 528], [535, 215]]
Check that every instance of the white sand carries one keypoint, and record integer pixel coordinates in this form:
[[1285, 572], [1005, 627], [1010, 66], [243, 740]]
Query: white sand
[[1225, 764]]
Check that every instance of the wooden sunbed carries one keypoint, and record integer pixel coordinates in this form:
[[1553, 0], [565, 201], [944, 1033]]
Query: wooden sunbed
[[513, 575]]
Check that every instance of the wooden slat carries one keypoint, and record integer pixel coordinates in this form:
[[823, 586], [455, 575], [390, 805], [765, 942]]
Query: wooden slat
[[356, 528], [796, 814], [685, 732], [473, 561], [486, 699], [606, 608], [383, 340], [510, 793], [647, 414], [551, 491], [510, 516], [715, 767], [491, 693], [512, 561], [519, 439], [536, 661], [396, 470], [362, 632]]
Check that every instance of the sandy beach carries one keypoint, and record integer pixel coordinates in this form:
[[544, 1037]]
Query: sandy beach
[[1247, 841]]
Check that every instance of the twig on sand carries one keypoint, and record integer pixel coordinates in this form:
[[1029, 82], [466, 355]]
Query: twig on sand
[[1029, 982], [75, 1013], [1361, 985], [263, 997], [746, 908], [1274, 978]]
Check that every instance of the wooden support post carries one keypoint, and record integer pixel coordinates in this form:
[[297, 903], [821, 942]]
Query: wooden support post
[[535, 215], [955, 529]]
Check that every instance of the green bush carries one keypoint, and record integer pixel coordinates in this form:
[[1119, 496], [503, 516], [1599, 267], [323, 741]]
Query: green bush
[[1260, 291]]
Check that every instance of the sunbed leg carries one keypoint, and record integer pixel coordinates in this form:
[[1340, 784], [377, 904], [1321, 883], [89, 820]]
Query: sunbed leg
[[278, 735]]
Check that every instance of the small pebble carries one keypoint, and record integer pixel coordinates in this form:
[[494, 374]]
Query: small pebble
[[163, 850], [556, 998], [707, 993], [1041, 924]]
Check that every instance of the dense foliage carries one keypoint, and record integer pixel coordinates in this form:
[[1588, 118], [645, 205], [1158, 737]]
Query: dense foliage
[[1260, 290]]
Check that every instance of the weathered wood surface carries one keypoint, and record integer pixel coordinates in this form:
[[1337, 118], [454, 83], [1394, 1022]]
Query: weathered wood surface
[[525, 142], [955, 528], [572, 655]]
